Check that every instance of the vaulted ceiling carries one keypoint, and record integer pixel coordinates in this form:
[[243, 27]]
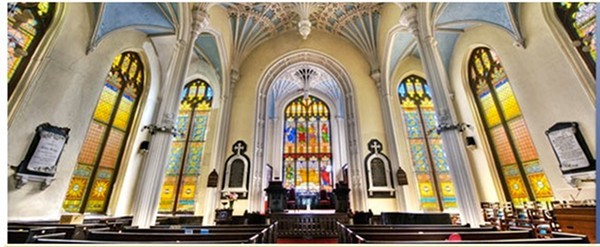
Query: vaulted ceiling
[[359, 23]]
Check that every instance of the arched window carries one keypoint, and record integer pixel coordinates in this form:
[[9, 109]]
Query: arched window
[[579, 20], [104, 144], [514, 153], [27, 24], [428, 155], [307, 146], [178, 193]]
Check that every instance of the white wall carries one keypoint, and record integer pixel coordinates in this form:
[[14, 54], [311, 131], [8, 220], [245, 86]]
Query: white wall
[[545, 86], [65, 94]]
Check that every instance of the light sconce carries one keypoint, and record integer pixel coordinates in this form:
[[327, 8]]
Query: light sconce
[[153, 129], [446, 126], [471, 142]]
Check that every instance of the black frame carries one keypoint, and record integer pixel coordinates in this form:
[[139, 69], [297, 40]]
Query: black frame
[[580, 140]]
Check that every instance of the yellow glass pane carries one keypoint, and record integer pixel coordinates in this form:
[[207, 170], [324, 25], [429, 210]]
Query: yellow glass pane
[[540, 185], [489, 108], [91, 144], [507, 100], [123, 113], [106, 103]]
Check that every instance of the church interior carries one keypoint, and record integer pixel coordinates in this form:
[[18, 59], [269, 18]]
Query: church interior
[[270, 122]]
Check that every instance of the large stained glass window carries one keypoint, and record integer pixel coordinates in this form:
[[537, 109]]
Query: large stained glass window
[[429, 158], [579, 19], [179, 190], [515, 155], [307, 146], [27, 24], [104, 144]]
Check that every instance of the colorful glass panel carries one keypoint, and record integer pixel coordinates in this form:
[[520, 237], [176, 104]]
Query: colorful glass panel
[[179, 190], [27, 25], [436, 188], [512, 146], [307, 146], [104, 144], [579, 20]]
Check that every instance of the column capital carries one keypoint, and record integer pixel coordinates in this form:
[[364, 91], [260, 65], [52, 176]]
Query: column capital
[[200, 18], [409, 18]]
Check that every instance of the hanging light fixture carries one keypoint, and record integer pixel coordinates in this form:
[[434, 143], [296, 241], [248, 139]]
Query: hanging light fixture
[[304, 10]]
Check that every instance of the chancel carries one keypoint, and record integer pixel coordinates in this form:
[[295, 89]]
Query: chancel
[[318, 122]]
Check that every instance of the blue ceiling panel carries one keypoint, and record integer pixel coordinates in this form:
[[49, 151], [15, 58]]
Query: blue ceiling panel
[[446, 42], [208, 45], [401, 42], [120, 15], [494, 13]]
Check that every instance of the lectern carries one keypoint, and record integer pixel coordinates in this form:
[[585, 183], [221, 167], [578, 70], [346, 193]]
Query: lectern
[[276, 196], [342, 200]]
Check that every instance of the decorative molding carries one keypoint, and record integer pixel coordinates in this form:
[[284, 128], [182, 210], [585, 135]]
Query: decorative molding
[[239, 149], [373, 158]]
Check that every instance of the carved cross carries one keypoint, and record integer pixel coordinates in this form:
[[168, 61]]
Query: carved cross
[[239, 147], [376, 147]]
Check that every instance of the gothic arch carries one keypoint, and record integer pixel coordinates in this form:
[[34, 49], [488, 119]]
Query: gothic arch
[[35, 63], [585, 76], [348, 120]]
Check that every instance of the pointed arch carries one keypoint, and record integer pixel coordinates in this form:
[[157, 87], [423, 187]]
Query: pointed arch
[[27, 25], [579, 21], [307, 157], [103, 149], [435, 184], [515, 156], [180, 185]]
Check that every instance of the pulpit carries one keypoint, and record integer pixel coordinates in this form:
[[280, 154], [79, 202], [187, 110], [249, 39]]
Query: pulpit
[[342, 199], [276, 195]]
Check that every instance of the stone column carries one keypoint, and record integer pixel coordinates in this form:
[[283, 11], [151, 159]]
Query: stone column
[[390, 135], [416, 21], [152, 171], [213, 195]]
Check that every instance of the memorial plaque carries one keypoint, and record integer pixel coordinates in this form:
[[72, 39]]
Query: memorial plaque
[[570, 148], [378, 172], [41, 161], [236, 177]]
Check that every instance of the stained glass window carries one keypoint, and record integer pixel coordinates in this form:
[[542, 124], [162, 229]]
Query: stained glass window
[[179, 190], [27, 24], [515, 155], [579, 19], [307, 146], [102, 150], [436, 188]]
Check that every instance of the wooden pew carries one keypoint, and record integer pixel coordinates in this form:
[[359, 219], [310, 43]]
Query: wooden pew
[[156, 237], [73, 231], [207, 234], [538, 241], [432, 236], [410, 228], [27, 234]]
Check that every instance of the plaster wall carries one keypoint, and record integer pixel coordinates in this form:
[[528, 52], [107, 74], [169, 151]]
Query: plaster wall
[[408, 66], [545, 86], [65, 94], [245, 93]]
